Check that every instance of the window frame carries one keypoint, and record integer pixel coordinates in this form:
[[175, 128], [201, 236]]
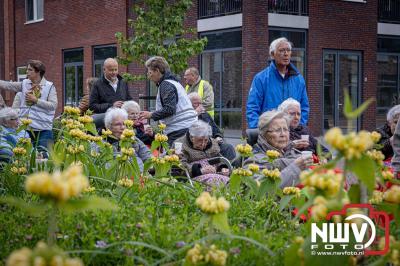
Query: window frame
[[21, 77], [35, 12], [76, 65], [100, 61]]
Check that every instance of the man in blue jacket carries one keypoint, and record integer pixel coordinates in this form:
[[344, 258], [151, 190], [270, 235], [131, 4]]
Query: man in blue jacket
[[278, 82]]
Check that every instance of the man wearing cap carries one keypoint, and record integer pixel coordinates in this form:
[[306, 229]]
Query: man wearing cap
[[194, 83]]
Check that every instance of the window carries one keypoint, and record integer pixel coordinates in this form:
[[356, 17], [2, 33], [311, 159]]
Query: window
[[221, 65], [21, 73], [73, 76], [101, 53], [298, 39], [388, 85], [34, 10]]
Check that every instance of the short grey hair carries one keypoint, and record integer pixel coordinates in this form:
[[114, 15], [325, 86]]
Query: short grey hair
[[200, 129], [193, 71], [393, 112], [112, 113], [286, 104], [131, 105], [7, 113], [266, 119], [193, 95], [158, 62], [274, 45]]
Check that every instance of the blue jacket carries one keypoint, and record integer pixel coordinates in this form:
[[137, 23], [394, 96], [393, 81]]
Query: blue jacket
[[268, 90]]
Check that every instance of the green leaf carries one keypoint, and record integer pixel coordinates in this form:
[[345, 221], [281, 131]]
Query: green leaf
[[348, 111], [364, 168], [267, 187], [91, 128], [30, 208], [251, 183], [155, 145], [84, 204], [220, 221], [347, 103], [354, 194], [285, 201], [234, 182], [291, 255]]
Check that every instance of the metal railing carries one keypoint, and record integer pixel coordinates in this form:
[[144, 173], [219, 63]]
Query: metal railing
[[214, 8], [389, 11], [290, 7]]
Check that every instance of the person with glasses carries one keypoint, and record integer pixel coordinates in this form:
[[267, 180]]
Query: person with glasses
[[273, 135], [144, 132], [387, 131], [9, 135], [276, 83], [299, 135], [114, 121]]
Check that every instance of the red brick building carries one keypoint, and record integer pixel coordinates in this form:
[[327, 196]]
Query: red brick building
[[338, 44]]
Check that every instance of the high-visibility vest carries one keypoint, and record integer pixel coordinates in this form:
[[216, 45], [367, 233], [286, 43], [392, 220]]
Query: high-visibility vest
[[201, 94]]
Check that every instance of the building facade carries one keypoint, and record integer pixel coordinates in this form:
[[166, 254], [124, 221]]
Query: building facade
[[338, 44]]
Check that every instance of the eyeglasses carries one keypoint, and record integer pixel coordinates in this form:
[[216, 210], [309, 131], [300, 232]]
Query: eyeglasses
[[279, 130], [284, 50], [117, 125]]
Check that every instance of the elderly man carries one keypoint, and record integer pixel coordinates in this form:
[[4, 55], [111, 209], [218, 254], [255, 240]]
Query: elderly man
[[387, 131], [109, 91], [38, 102], [202, 87], [278, 82]]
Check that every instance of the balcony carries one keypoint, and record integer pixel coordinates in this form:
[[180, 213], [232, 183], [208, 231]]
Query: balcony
[[389, 11], [288, 7], [215, 8]]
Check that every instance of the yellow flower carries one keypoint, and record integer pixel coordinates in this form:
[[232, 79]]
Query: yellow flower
[[161, 137], [328, 182], [215, 256], [299, 240], [78, 134], [26, 121], [387, 175], [172, 158], [199, 255], [242, 172], [211, 205], [377, 156], [254, 168], [106, 132], [274, 174], [72, 110], [89, 189], [86, 119], [291, 191], [128, 151], [392, 195], [19, 151], [128, 123], [245, 150], [194, 256], [319, 210], [375, 136], [335, 138], [161, 126], [24, 141], [125, 182], [273, 154], [20, 257], [127, 134]]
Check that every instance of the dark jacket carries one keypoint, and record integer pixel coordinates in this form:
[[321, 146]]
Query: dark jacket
[[102, 95], [216, 132], [295, 133], [386, 134]]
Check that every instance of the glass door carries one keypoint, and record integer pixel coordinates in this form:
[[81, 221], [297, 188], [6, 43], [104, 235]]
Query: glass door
[[341, 72]]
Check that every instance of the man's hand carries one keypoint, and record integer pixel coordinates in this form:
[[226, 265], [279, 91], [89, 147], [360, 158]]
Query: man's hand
[[301, 143], [148, 130], [118, 104], [200, 109], [31, 98], [145, 115], [219, 140]]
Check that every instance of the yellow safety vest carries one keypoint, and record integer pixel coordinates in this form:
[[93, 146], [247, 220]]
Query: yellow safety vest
[[201, 94]]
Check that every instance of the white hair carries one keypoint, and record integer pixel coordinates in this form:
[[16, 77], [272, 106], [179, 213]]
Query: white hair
[[393, 112], [267, 117], [200, 129], [286, 104], [131, 105], [193, 95], [273, 46], [113, 113], [7, 113]]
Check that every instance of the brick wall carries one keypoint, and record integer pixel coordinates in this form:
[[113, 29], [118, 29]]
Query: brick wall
[[2, 41], [255, 45], [67, 24], [341, 25]]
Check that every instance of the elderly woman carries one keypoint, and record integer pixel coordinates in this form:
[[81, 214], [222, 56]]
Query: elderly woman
[[114, 121], [300, 135], [8, 132], [387, 131], [197, 147], [143, 132], [273, 129], [177, 115]]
